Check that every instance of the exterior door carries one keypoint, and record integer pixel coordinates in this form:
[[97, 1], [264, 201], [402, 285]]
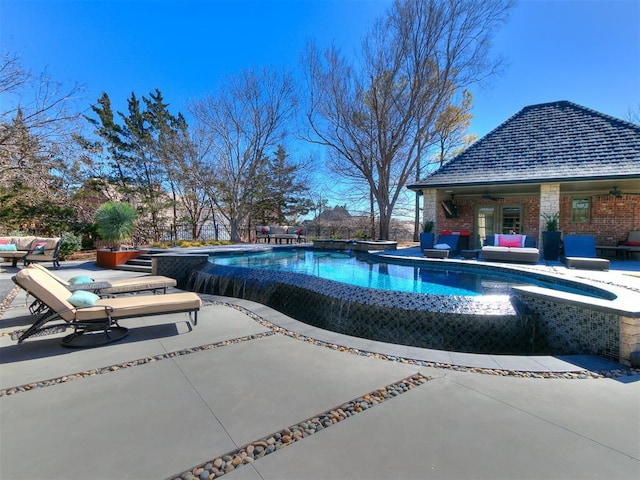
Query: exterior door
[[485, 224], [491, 220]]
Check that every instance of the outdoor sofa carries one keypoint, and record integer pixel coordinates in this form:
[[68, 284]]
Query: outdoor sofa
[[30, 249], [279, 233], [510, 248], [94, 320]]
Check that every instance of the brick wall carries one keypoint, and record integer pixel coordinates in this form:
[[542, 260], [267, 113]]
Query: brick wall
[[611, 218]]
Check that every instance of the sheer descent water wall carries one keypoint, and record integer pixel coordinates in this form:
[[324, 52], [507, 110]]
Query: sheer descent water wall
[[546, 322]]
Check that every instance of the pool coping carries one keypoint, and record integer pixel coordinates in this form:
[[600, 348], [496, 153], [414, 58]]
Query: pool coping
[[623, 304]]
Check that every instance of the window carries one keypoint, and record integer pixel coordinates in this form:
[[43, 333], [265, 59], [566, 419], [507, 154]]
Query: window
[[580, 208]]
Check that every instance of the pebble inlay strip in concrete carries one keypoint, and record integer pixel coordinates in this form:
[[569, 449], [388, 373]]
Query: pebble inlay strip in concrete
[[133, 363], [584, 374], [257, 449], [279, 330]]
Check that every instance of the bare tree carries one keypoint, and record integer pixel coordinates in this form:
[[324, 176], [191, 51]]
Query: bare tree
[[450, 137], [633, 115], [184, 155], [39, 105], [378, 116], [245, 120], [37, 118]]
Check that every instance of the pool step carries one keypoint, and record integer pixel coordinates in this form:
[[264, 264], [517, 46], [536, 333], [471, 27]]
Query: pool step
[[140, 264]]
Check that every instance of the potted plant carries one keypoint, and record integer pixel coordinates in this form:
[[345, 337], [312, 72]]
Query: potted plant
[[427, 235], [115, 223], [551, 237]]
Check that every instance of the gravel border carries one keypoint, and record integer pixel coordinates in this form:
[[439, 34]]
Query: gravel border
[[252, 451], [274, 329]]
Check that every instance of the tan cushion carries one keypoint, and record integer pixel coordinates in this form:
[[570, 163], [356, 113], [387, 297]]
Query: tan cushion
[[490, 248], [524, 250], [139, 305], [122, 285], [633, 237], [278, 230], [47, 290], [23, 243], [151, 282]]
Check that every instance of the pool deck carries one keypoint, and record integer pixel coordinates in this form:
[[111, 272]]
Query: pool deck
[[167, 399]]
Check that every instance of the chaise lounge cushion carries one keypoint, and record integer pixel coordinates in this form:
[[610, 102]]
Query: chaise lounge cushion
[[115, 286]]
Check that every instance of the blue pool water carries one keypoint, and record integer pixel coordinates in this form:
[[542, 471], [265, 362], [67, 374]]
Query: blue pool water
[[362, 270]]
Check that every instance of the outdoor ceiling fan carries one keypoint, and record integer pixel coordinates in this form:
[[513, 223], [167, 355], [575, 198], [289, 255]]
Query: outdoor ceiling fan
[[616, 192], [488, 196]]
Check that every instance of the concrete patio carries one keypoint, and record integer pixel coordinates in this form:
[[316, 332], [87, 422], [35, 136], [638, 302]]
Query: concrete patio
[[169, 399]]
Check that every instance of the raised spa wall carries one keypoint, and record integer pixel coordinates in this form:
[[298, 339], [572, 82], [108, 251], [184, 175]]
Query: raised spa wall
[[564, 324]]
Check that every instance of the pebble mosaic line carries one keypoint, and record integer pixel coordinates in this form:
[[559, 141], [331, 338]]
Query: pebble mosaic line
[[257, 449], [133, 363], [585, 374]]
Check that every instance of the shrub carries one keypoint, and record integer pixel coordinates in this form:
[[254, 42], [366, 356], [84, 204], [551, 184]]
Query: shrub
[[115, 222], [69, 244]]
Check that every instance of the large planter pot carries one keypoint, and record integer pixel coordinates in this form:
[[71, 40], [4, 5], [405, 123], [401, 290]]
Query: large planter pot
[[551, 245], [111, 259], [426, 240]]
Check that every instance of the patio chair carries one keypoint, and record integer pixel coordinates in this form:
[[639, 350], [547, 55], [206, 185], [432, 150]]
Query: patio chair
[[580, 252], [44, 250], [95, 320], [445, 246]]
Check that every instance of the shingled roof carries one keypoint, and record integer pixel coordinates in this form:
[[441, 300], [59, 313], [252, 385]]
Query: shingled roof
[[549, 142]]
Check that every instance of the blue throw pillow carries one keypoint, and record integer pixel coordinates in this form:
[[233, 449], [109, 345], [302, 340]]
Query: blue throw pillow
[[82, 298], [8, 247], [80, 279]]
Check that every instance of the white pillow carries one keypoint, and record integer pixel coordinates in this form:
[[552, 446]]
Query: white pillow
[[442, 246]]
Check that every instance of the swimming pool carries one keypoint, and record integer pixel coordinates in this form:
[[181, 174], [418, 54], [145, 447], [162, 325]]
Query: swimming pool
[[361, 269], [478, 308]]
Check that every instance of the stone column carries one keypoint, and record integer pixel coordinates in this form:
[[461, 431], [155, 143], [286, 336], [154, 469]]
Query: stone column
[[430, 207], [549, 204], [630, 341]]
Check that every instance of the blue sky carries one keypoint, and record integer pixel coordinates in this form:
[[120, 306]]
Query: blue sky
[[585, 51]]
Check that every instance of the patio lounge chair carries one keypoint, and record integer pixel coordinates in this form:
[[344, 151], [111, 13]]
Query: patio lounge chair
[[104, 288], [446, 245], [580, 252], [95, 320], [111, 288]]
